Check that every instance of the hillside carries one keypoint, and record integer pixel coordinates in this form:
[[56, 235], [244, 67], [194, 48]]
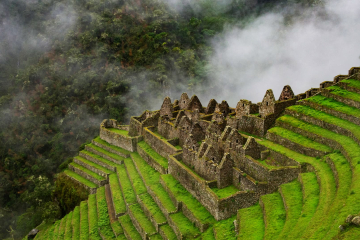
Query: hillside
[[192, 172]]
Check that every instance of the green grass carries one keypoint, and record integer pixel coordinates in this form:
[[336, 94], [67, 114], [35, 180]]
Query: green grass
[[187, 228], [101, 159], [327, 184], [97, 166], [335, 215], [299, 139], [110, 154], [57, 229], [275, 215], [118, 131], [125, 183], [50, 234], [115, 148], [293, 197], [336, 90], [169, 233], [355, 129], [142, 219], [134, 176], [225, 192], [311, 190], [103, 214], [155, 237], [153, 154], [68, 228], [118, 200], [153, 208], [80, 179], [252, 224], [76, 223], [93, 218], [129, 227], [181, 194], [62, 227], [152, 178], [158, 135], [225, 229], [84, 222], [87, 171], [352, 83], [208, 234], [117, 229], [178, 147], [335, 105]]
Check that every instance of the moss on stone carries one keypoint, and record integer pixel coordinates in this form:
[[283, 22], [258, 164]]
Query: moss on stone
[[225, 192]]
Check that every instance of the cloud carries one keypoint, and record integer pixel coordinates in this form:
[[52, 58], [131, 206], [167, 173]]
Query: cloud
[[315, 46]]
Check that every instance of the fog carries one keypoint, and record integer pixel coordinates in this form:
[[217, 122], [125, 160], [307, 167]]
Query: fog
[[274, 51]]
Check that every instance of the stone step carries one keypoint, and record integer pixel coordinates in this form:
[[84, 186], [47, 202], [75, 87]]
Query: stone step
[[96, 168], [104, 226], [98, 160], [111, 148], [251, 223], [76, 223], [117, 196], [143, 225], [297, 142], [87, 174], [84, 222], [274, 214], [104, 153], [129, 230], [82, 181]]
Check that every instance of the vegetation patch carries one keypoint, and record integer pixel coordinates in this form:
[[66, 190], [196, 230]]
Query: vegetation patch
[[129, 227], [118, 199], [252, 224], [110, 154], [181, 194], [62, 227], [153, 154], [142, 219], [117, 229], [80, 179], [225, 229], [125, 183], [118, 149], [208, 234], [84, 222], [103, 214], [93, 218], [99, 158], [187, 228], [299, 139], [352, 83], [94, 165], [344, 93], [169, 233], [87, 171], [225, 192], [153, 208], [76, 223], [118, 131], [136, 180], [68, 227]]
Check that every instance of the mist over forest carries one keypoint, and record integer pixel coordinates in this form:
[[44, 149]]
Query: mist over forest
[[65, 65]]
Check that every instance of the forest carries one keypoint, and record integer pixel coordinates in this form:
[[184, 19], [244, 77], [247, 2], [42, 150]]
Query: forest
[[65, 65]]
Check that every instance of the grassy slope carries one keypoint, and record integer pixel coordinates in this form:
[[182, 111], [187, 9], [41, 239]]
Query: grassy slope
[[252, 224]]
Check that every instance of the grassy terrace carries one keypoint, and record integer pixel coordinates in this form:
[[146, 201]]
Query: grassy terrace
[[118, 200], [208, 234], [153, 208], [299, 139], [335, 105], [84, 222], [129, 227], [134, 177], [62, 227], [252, 224], [181, 194], [336, 90], [292, 195], [57, 228], [153, 154], [187, 229], [225, 192], [158, 135], [327, 184], [169, 233], [112, 155], [275, 215], [117, 229], [99, 158], [87, 171], [143, 221], [103, 215], [310, 188], [151, 178], [225, 229], [80, 179], [118, 131], [115, 148], [333, 218], [68, 227], [76, 223], [93, 218], [97, 166], [125, 183], [352, 83]]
